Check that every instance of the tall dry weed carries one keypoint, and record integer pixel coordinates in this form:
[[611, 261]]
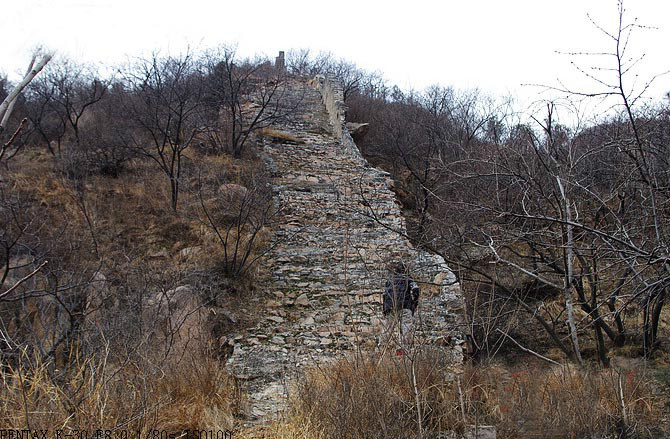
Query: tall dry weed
[[95, 394], [368, 397]]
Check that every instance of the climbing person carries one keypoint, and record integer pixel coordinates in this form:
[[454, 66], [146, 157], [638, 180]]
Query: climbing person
[[401, 298]]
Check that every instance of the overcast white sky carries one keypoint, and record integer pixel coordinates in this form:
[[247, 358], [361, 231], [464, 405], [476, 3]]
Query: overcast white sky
[[490, 44]]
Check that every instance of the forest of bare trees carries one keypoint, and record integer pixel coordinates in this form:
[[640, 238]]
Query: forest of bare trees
[[121, 195], [563, 224]]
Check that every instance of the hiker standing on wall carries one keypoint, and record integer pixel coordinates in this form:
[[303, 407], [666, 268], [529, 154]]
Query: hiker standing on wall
[[401, 297]]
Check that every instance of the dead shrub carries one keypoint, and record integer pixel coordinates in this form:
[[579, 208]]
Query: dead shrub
[[238, 222]]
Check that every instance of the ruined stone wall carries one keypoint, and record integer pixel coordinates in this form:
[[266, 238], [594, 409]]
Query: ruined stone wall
[[444, 312], [340, 230], [332, 98]]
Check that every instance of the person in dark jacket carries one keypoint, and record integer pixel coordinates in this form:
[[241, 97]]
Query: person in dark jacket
[[401, 298]]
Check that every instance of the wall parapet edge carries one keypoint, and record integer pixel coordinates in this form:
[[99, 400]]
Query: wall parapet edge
[[430, 269]]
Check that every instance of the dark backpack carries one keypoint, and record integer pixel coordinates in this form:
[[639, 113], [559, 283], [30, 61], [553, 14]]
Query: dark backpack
[[401, 293]]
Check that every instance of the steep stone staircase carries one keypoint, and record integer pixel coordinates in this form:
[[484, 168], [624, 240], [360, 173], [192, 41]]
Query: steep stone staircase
[[340, 228]]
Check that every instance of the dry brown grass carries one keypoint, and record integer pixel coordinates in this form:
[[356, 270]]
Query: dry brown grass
[[372, 398], [367, 396], [565, 401], [292, 427], [130, 215], [279, 136], [92, 394]]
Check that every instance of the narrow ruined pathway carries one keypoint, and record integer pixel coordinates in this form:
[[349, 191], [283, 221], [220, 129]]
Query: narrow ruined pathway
[[333, 244]]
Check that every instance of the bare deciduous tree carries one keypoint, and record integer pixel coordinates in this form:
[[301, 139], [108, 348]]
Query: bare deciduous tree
[[533, 215], [39, 60], [239, 217], [166, 107]]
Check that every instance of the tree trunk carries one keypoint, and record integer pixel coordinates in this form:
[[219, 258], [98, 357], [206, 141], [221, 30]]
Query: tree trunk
[[8, 104], [602, 349], [569, 269]]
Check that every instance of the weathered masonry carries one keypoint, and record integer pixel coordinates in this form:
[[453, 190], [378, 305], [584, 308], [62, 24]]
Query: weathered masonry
[[341, 227]]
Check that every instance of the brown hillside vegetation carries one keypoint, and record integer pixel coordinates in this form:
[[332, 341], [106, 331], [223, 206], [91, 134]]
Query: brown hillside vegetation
[[118, 240], [135, 213]]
